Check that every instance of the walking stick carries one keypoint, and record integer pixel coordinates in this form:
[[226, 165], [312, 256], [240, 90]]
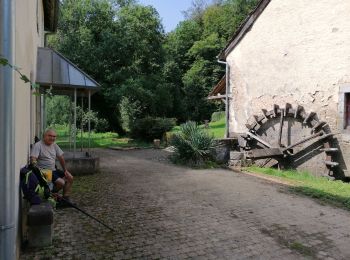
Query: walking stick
[[84, 212]]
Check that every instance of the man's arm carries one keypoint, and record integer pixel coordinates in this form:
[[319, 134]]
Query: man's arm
[[62, 162], [67, 174], [33, 160], [34, 153]]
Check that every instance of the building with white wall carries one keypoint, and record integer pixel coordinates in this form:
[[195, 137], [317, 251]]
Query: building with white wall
[[292, 52]]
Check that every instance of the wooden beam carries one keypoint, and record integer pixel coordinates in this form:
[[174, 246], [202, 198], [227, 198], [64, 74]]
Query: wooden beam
[[259, 139], [264, 153]]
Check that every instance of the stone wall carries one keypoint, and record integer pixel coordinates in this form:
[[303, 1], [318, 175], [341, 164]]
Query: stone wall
[[297, 52]]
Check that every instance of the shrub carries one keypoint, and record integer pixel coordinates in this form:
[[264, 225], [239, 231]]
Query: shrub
[[129, 111], [216, 116], [192, 144], [150, 128]]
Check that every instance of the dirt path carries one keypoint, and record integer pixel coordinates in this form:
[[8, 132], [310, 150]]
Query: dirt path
[[162, 211]]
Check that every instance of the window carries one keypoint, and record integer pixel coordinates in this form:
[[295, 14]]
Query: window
[[347, 111], [344, 108]]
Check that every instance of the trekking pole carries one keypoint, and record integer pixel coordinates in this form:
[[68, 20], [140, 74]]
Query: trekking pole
[[84, 212]]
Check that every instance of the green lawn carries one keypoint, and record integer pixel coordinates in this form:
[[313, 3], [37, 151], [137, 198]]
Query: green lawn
[[108, 139], [217, 129], [335, 192]]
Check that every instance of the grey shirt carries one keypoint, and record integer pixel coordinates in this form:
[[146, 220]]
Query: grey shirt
[[46, 154]]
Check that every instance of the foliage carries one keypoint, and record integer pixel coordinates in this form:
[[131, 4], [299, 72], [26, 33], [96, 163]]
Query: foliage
[[192, 144], [335, 192], [122, 45], [193, 47], [60, 112], [216, 116], [129, 112], [150, 128], [4, 62], [119, 43], [97, 123], [216, 129], [107, 139]]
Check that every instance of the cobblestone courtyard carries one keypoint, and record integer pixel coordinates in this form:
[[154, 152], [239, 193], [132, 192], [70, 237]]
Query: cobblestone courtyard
[[162, 211]]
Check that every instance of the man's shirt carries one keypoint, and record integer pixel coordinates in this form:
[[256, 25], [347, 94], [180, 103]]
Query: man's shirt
[[46, 154]]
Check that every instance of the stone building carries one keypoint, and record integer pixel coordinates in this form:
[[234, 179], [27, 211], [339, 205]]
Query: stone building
[[292, 55]]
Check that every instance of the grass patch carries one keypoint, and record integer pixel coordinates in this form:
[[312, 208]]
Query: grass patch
[[304, 250], [101, 140], [216, 129], [334, 192]]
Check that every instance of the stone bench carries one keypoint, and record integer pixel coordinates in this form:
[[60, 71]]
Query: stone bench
[[40, 225]]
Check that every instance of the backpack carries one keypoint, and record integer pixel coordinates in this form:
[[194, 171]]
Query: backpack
[[34, 185]]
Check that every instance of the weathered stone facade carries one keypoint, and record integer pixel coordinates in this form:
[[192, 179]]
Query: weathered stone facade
[[297, 52]]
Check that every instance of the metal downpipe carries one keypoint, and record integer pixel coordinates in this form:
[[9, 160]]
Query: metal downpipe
[[227, 75], [8, 191]]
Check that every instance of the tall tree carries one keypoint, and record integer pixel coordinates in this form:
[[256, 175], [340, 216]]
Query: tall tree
[[192, 49], [119, 43]]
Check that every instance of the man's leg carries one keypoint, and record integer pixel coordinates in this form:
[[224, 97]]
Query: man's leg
[[68, 185], [58, 180]]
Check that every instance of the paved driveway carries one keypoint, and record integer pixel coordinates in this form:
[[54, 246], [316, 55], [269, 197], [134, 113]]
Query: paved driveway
[[161, 211]]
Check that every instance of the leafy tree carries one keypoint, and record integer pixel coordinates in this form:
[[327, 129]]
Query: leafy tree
[[191, 50], [119, 43], [58, 109], [122, 45]]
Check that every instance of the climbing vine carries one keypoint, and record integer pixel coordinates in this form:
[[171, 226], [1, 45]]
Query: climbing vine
[[4, 62]]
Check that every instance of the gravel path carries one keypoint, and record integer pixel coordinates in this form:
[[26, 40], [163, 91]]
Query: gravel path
[[162, 211]]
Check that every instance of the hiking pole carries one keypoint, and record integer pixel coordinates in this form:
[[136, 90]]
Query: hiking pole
[[84, 212]]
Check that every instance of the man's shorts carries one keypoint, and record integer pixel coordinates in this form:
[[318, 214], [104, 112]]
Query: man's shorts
[[57, 174]]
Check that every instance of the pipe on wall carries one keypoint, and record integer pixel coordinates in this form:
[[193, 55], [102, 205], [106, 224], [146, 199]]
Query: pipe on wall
[[8, 190], [227, 121]]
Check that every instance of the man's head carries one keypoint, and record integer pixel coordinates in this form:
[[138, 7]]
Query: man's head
[[49, 136]]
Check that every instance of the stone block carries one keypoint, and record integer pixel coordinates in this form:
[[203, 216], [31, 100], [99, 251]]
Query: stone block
[[40, 228], [221, 153], [81, 164], [236, 155]]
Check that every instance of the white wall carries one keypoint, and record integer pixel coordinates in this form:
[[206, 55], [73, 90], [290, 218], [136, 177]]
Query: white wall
[[29, 35], [298, 52]]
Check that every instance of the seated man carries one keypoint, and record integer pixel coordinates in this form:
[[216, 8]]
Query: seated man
[[44, 154]]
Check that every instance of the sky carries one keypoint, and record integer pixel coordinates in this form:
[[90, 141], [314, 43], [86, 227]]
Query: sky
[[169, 10]]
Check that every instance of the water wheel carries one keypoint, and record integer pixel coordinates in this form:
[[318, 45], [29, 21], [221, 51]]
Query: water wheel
[[290, 138]]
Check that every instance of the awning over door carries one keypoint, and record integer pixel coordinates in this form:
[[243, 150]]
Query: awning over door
[[219, 91], [56, 71]]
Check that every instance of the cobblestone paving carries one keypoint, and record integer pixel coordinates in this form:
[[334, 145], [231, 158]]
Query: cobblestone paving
[[161, 211]]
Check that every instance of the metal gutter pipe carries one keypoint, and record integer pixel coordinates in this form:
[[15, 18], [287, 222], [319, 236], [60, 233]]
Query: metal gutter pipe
[[227, 132], [8, 191]]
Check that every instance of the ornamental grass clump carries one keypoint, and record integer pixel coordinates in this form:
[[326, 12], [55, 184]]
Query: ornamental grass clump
[[192, 144]]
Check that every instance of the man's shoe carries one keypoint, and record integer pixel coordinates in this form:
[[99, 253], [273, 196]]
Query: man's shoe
[[65, 202]]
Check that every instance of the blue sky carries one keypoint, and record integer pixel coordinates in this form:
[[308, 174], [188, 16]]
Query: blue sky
[[169, 10]]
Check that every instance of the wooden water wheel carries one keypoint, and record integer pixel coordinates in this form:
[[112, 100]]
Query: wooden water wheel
[[290, 138]]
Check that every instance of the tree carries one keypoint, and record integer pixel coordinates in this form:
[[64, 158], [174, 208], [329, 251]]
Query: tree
[[191, 49], [118, 43], [58, 110], [122, 45]]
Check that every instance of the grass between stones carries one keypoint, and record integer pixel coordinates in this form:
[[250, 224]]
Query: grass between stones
[[335, 192]]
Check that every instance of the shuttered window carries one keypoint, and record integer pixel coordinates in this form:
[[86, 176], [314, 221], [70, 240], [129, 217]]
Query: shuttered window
[[347, 111]]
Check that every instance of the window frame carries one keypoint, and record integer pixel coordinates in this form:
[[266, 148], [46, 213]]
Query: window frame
[[344, 98]]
